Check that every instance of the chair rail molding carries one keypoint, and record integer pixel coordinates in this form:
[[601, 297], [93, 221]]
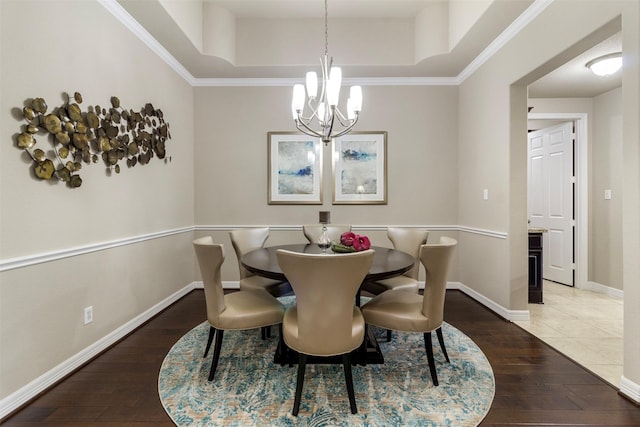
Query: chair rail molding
[[39, 258], [361, 227]]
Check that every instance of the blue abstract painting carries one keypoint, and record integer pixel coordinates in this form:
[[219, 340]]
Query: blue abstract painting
[[359, 167], [295, 167]]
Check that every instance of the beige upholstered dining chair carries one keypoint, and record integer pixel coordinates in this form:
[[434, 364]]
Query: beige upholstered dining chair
[[408, 240], [412, 312], [236, 311], [312, 231], [244, 241], [325, 321]]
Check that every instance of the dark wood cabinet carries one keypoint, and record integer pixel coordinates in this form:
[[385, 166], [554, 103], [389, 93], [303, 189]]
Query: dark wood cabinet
[[535, 267]]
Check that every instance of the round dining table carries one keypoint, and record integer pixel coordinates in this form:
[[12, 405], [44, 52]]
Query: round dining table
[[387, 263]]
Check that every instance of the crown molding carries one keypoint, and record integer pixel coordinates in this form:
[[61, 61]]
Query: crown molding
[[364, 81], [512, 30], [139, 31]]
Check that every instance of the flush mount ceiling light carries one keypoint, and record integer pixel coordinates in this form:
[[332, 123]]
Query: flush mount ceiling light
[[605, 65], [324, 109]]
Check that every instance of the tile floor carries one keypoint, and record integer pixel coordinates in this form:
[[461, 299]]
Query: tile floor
[[586, 326]]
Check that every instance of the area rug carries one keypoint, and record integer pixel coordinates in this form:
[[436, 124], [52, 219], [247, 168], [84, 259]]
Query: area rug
[[250, 390]]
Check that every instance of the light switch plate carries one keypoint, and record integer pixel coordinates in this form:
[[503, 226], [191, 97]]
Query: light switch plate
[[607, 194], [485, 194]]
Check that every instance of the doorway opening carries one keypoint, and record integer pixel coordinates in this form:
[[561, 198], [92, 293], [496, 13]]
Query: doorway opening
[[550, 199], [580, 235]]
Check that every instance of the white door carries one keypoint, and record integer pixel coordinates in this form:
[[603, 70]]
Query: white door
[[550, 198]]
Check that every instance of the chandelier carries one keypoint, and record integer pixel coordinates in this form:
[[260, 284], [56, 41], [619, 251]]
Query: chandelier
[[323, 110]]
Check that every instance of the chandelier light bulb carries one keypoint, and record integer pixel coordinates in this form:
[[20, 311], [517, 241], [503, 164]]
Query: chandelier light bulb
[[297, 102], [351, 113], [312, 84], [355, 93], [333, 88]]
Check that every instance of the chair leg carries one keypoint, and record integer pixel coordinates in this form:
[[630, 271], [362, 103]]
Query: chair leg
[[266, 332], [281, 349], [363, 346], [346, 363], [212, 332], [388, 335], [441, 341], [216, 353], [432, 363], [302, 364]]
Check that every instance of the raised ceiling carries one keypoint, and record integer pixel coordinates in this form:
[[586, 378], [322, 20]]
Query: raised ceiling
[[223, 39]]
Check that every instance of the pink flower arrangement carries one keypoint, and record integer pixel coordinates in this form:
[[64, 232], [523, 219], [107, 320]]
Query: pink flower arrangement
[[356, 241]]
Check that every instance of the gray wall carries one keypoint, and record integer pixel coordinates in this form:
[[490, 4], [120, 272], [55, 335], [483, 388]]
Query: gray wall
[[606, 227], [49, 48], [446, 144], [231, 161], [492, 153]]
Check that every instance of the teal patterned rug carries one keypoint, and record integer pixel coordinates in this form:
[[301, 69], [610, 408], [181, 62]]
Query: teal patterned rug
[[250, 390]]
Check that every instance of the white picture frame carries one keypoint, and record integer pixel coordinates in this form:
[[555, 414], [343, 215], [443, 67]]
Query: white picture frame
[[360, 168], [294, 169]]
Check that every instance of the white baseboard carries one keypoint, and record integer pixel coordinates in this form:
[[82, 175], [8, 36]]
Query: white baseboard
[[231, 284], [25, 394], [604, 289], [226, 284], [630, 389], [510, 315]]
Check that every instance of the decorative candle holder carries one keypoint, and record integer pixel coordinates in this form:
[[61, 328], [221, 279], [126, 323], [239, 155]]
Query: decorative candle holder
[[324, 217], [324, 242]]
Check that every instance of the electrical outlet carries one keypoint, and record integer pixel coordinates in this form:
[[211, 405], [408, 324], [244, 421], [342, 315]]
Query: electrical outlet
[[88, 315], [607, 194]]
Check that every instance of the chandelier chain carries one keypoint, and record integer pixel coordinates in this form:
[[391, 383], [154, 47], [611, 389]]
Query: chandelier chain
[[326, 28]]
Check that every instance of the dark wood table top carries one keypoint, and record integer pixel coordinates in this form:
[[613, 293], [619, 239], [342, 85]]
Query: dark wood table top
[[387, 262]]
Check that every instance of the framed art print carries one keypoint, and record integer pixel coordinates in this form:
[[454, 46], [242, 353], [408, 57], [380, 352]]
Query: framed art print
[[360, 168], [294, 169]]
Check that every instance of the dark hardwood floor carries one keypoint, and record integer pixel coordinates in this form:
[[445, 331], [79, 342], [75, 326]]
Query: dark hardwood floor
[[535, 385]]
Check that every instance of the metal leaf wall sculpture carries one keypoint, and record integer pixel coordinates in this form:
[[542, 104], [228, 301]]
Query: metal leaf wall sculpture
[[78, 137]]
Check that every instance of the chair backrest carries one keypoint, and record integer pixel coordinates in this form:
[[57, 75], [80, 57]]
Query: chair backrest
[[436, 259], [325, 286], [247, 240], [409, 240], [312, 231], [210, 258]]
